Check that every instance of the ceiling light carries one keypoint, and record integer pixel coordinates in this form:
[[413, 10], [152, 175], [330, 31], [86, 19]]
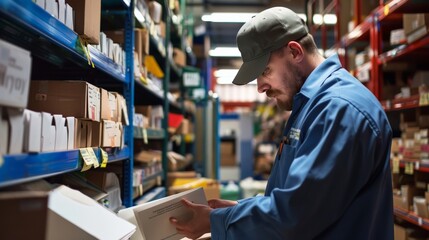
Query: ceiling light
[[225, 76], [225, 52], [230, 17], [234, 17]]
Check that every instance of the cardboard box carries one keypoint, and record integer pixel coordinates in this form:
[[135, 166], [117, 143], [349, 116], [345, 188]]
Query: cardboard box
[[32, 131], [108, 105], [227, 154], [84, 132], [69, 98], [26, 213], [48, 133], [15, 69], [415, 26], [179, 57], [16, 130], [71, 133], [73, 215], [60, 133], [400, 232], [141, 41], [112, 134], [87, 19], [96, 134]]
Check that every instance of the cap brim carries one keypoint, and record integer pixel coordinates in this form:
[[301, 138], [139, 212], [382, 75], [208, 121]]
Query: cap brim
[[250, 70]]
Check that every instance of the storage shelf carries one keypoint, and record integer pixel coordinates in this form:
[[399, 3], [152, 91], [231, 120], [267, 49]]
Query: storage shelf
[[417, 165], [411, 217], [404, 50], [398, 7], [21, 168], [26, 24], [153, 194], [359, 33], [152, 176], [401, 104], [145, 96], [152, 133]]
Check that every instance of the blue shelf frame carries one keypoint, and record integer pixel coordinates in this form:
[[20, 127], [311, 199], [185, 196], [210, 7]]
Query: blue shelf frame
[[20, 168], [28, 17]]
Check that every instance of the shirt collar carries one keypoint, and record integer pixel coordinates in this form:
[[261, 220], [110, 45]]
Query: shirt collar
[[319, 75]]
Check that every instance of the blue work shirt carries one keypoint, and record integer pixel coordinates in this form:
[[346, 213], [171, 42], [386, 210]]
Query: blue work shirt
[[331, 178]]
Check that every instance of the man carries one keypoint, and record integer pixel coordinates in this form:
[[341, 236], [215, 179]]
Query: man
[[331, 177]]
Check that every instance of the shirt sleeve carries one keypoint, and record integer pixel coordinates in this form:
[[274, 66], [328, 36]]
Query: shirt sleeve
[[331, 164]]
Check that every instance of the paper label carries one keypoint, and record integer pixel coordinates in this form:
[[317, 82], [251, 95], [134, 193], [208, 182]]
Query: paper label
[[144, 133], [104, 158], [94, 159], [395, 165], [93, 103]]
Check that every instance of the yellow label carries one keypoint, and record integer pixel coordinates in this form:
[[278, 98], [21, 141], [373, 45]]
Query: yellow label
[[104, 157], [395, 165], [94, 159], [86, 156], [386, 10], [409, 168], [424, 99]]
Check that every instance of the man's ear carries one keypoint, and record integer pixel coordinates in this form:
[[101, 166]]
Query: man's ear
[[296, 50]]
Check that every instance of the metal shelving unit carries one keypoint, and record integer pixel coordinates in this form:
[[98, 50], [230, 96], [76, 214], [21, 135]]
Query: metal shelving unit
[[29, 26]]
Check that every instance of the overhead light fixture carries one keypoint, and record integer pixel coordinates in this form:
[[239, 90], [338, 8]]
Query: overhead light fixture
[[225, 76], [225, 52], [231, 17], [236, 17]]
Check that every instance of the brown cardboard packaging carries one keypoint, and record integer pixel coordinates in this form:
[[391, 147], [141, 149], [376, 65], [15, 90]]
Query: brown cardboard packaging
[[179, 57], [415, 26], [69, 98], [141, 41], [227, 154], [87, 19]]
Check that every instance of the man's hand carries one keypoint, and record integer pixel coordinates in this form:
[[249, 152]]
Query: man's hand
[[220, 203], [198, 224]]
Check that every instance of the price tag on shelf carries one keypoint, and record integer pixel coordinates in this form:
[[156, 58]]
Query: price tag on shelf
[[104, 157], [420, 221], [94, 159], [395, 165], [424, 99], [87, 160], [409, 168]]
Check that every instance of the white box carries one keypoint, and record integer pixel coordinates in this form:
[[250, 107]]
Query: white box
[[48, 133], [15, 79], [103, 44], [60, 133], [51, 6], [71, 133], [41, 3], [62, 11], [69, 17], [16, 127], [73, 215], [32, 131], [4, 130]]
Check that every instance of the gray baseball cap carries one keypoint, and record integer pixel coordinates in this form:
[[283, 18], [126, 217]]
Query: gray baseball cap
[[263, 33]]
